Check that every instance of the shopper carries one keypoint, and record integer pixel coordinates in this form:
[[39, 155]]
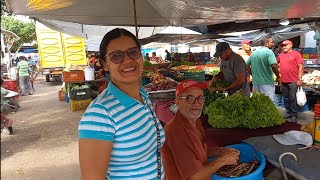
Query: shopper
[[232, 70], [185, 153], [261, 65], [245, 51], [24, 76], [168, 55], [291, 69], [120, 136]]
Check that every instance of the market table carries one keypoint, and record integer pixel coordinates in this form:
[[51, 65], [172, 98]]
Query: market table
[[307, 166]]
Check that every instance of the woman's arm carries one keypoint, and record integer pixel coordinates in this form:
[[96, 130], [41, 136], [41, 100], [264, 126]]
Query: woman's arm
[[94, 156]]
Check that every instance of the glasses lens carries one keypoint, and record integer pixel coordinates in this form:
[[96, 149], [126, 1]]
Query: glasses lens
[[191, 99], [116, 57], [134, 53], [201, 99]]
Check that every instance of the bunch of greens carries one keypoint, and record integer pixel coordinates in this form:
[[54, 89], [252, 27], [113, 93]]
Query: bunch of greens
[[221, 83], [236, 110], [211, 96], [174, 64], [147, 63]]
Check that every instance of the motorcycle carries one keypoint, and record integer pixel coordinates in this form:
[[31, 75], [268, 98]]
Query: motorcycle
[[6, 124]]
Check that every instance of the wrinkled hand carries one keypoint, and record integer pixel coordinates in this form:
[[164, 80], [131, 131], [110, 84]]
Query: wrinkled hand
[[230, 150], [230, 158], [299, 83]]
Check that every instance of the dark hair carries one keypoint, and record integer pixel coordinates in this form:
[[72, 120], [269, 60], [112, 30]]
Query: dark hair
[[111, 35], [154, 53], [1, 81], [265, 40], [22, 57]]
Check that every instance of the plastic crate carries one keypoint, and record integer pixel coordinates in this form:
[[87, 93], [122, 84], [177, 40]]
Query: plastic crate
[[61, 96], [317, 110], [197, 76], [80, 94], [73, 76], [77, 105]]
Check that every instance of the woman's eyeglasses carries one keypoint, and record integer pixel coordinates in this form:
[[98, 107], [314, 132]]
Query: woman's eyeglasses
[[191, 99], [118, 56]]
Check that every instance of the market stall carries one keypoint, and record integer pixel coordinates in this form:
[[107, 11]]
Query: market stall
[[81, 85]]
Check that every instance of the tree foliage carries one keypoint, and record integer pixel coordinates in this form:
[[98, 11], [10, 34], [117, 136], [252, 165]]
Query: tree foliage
[[4, 9], [25, 30]]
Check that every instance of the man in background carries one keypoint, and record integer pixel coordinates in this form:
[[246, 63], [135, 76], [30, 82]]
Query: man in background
[[168, 55], [261, 65], [24, 76], [291, 69], [245, 51], [232, 70]]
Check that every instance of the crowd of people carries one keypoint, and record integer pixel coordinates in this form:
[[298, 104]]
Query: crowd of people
[[266, 70], [120, 136]]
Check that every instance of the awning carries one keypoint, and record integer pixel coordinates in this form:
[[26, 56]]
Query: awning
[[163, 12]]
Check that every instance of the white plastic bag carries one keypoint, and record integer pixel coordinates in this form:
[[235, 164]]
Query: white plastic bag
[[301, 97]]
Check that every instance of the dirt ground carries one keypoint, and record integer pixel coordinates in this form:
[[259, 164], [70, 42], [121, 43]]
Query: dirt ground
[[44, 144]]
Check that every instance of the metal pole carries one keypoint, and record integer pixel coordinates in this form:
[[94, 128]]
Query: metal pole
[[135, 17]]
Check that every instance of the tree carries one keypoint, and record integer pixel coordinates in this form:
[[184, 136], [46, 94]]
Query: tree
[[4, 9], [25, 30]]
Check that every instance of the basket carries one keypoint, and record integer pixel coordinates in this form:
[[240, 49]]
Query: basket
[[61, 96], [77, 105], [80, 94], [197, 76], [73, 76]]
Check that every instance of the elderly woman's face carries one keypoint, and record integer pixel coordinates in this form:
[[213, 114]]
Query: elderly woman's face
[[129, 70]]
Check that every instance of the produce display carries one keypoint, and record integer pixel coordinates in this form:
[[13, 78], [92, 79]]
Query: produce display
[[236, 110], [312, 78], [182, 63], [147, 64], [238, 170], [159, 82], [211, 97], [220, 83]]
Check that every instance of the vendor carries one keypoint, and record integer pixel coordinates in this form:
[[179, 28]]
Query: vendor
[[155, 59], [185, 154], [232, 70]]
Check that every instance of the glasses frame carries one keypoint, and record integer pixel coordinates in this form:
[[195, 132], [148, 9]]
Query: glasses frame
[[194, 99], [123, 52]]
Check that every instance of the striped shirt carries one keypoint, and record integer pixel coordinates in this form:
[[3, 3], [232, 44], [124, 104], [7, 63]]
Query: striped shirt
[[114, 116], [23, 68]]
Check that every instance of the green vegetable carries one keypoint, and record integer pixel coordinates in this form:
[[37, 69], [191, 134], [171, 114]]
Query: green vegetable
[[187, 63], [147, 63], [211, 96], [220, 83], [236, 110]]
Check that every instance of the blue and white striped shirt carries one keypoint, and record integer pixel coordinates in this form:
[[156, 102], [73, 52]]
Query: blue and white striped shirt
[[114, 116]]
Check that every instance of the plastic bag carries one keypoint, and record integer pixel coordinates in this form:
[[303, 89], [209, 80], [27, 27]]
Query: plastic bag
[[301, 97]]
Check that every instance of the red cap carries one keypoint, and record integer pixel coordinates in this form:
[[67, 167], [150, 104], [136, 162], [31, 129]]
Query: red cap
[[246, 41], [186, 84], [286, 42]]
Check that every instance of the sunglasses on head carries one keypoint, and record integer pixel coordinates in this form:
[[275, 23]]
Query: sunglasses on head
[[117, 57]]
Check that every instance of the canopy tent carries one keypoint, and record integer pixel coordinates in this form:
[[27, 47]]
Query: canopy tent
[[164, 12], [278, 34], [179, 38]]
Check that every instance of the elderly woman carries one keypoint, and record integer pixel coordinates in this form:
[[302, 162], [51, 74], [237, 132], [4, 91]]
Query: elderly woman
[[119, 135]]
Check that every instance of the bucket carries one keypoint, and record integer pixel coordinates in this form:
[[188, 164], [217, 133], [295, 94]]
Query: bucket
[[246, 155], [89, 74], [317, 131]]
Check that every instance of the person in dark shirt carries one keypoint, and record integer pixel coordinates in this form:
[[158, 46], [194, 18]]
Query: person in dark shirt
[[168, 56]]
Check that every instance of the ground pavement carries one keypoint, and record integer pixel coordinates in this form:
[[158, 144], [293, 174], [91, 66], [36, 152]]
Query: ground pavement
[[44, 144]]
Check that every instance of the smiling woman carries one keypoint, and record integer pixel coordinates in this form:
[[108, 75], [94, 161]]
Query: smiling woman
[[120, 136]]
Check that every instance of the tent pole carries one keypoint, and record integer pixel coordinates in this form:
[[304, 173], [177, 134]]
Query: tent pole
[[135, 17]]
